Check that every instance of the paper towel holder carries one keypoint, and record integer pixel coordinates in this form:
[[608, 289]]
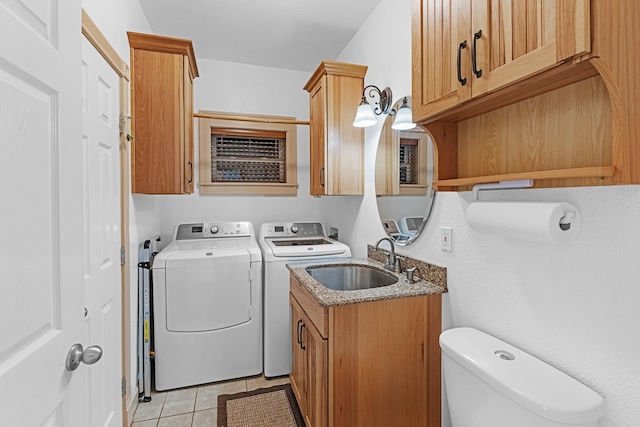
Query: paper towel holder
[[565, 221], [502, 185]]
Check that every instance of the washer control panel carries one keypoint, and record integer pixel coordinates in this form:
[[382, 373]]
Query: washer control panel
[[293, 229], [208, 230]]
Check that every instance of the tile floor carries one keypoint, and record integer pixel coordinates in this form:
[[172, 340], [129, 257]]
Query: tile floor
[[194, 406]]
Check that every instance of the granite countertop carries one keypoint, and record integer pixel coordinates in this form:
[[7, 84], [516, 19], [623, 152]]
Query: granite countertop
[[330, 297]]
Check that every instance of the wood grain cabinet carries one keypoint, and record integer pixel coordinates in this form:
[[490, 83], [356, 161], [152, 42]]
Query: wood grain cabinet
[[367, 364], [542, 90], [162, 76], [336, 147], [463, 48]]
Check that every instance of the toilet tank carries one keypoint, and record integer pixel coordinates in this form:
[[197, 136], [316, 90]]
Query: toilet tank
[[490, 383]]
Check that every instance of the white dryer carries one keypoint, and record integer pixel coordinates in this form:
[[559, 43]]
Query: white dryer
[[207, 301], [282, 243]]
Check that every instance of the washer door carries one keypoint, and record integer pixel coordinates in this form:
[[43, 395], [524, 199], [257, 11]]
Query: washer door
[[208, 290]]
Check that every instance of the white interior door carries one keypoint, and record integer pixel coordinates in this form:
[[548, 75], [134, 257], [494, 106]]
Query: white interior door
[[41, 286], [100, 142]]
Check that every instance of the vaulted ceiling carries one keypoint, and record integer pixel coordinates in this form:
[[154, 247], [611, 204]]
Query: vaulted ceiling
[[289, 34]]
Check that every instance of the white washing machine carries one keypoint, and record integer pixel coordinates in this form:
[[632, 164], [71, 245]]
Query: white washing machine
[[282, 243], [207, 302]]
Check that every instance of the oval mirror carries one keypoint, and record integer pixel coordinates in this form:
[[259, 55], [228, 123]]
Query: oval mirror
[[404, 173]]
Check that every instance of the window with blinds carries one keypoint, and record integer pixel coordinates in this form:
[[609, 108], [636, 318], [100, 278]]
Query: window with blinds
[[408, 161], [245, 154], [248, 156]]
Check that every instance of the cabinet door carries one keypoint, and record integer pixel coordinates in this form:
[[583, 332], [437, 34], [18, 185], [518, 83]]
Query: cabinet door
[[158, 120], [188, 126], [317, 376], [515, 39], [299, 359], [440, 39], [317, 113]]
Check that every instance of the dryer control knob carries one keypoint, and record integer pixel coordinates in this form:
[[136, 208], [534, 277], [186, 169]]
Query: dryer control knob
[[294, 229], [214, 229]]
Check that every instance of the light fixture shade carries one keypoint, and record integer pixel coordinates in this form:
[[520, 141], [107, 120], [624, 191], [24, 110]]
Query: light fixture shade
[[404, 119], [364, 115]]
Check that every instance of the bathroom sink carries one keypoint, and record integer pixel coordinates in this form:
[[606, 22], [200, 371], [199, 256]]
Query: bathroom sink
[[351, 277]]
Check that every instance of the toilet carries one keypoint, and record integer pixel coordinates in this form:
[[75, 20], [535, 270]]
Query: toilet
[[489, 383]]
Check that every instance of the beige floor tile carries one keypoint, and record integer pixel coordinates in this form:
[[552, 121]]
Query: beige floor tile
[[150, 410], [208, 395], [183, 420], [254, 383], [148, 423], [179, 402], [206, 418]]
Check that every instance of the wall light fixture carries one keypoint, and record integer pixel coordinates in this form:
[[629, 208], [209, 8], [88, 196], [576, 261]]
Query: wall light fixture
[[366, 115], [404, 117]]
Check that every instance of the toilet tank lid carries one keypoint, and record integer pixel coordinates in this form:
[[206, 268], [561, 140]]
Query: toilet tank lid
[[528, 381]]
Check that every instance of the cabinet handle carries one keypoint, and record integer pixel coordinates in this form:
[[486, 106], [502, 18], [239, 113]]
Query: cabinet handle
[[298, 331], [463, 45], [191, 168], [474, 49], [302, 345], [322, 177]]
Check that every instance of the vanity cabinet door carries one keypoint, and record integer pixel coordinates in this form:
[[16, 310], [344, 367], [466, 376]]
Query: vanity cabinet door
[[310, 371], [316, 376], [299, 361]]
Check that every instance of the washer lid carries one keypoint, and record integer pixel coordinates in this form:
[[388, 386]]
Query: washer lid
[[528, 381], [305, 247]]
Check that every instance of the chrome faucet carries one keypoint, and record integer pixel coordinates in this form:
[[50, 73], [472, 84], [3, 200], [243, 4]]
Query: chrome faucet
[[393, 261]]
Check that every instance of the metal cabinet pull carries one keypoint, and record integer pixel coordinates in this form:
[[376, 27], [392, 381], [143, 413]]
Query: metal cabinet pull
[[302, 345], [298, 331], [474, 49], [191, 167], [462, 80], [322, 177]]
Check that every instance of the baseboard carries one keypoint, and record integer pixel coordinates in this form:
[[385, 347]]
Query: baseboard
[[132, 405]]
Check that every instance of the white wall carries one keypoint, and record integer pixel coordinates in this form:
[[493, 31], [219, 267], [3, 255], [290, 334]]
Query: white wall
[[247, 89], [114, 18], [575, 307]]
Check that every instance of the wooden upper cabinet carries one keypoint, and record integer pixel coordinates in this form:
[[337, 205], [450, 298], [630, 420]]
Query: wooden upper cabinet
[[463, 48], [336, 146], [435, 52], [516, 39], [162, 76]]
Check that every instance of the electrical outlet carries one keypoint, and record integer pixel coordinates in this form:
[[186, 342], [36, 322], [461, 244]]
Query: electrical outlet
[[445, 239]]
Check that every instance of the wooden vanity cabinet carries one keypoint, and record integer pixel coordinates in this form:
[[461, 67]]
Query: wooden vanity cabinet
[[162, 76], [366, 364], [336, 146], [466, 48]]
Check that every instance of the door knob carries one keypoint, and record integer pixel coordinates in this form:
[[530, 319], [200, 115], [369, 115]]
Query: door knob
[[77, 354]]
